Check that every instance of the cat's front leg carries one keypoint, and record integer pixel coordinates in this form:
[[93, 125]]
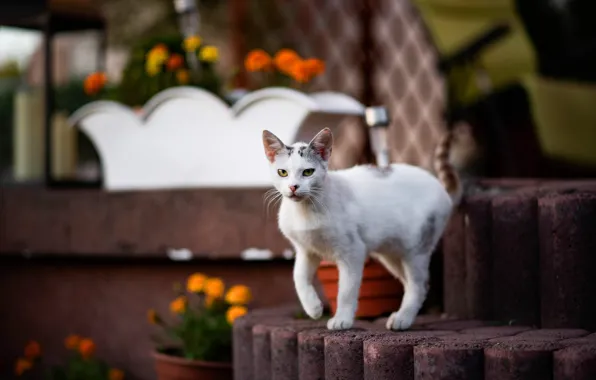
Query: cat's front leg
[[350, 277], [305, 266]]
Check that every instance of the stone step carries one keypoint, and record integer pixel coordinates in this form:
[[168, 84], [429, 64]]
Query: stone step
[[524, 254], [276, 346]]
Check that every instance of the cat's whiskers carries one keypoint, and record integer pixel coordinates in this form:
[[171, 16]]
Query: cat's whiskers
[[271, 197]]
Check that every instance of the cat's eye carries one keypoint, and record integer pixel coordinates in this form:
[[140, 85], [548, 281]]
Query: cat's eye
[[282, 173], [308, 172]]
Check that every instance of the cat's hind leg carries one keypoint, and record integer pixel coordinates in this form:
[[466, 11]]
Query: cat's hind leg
[[393, 264], [416, 268]]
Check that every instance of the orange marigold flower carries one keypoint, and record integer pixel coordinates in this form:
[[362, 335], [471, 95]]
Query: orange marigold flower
[[32, 350], [175, 62], [315, 66], [285, 59], [300, 72], [235, 312], [86, 348], [115, 374], [72, 342], [182, 76], [178, 305], [196, 283], [94, 83], [258, 60], [238, 295], [21, 366], [214, 287]]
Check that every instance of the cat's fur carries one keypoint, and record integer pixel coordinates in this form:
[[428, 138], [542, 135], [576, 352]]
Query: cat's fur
[[397, 216]]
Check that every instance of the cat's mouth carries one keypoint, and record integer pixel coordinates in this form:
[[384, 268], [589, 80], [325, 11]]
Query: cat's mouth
[[296, 197]]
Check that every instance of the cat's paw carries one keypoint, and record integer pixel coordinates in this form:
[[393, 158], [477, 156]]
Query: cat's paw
[[315, 311], [400, 321], [339, 323]]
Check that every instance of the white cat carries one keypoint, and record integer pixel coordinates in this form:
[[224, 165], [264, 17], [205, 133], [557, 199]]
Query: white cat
[[397, 216]]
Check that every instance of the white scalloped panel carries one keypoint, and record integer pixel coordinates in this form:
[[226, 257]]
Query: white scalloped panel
[[187, 137]]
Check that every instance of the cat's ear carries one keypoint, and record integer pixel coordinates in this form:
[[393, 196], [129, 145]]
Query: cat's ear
[[272, 145], [322, 143]]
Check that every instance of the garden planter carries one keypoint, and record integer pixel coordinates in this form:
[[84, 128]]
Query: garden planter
[[164, 135], [170, 367], [380, 292]]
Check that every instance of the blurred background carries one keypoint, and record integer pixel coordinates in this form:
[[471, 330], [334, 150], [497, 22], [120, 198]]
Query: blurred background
[[514, 80]]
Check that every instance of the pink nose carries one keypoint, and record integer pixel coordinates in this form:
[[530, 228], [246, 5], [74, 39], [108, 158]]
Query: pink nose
[[293, 188]]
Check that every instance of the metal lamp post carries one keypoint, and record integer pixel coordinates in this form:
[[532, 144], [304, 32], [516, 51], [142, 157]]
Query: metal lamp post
[[377, 119], [189, 22]]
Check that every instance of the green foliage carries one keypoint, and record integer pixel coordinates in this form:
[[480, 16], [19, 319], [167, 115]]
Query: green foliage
[[137, 87], [203, 317], [201, 333], [205, 334], [77, 368]]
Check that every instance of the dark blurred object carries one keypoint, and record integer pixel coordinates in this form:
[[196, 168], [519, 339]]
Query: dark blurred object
[[62, 15], [53, 17], [563, 93], [563, 33]]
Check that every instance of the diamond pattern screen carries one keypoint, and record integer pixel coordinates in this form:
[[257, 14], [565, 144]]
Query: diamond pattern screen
[[377, 51]]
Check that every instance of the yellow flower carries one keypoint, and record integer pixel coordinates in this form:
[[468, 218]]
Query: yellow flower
[[191, 43], [32, 350], [21, 366], [235, 312], [72, 342], [196, 283], [86, 348], [178, 305], [115, 374], [214, 287], [238, 295], [159, 54], [209, 54], [152, 68], [153, 317]]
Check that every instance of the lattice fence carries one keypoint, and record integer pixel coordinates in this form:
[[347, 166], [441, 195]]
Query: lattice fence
[[376, 51]]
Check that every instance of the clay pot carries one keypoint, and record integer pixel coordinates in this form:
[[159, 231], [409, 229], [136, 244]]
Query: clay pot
[[170, 367], [380, 292]]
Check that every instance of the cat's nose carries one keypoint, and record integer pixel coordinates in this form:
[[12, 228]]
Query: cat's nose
[[293, 188]]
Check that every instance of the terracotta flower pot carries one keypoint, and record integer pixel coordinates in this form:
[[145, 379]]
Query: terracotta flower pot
[[380, 292], [170, 367]]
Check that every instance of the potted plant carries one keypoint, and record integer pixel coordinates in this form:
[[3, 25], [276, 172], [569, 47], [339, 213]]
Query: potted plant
[[158, 64], [284, 69], [380, 292], [81, 363], [197, 343]]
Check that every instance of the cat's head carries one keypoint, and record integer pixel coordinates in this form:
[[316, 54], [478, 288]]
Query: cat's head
[[298, 171]]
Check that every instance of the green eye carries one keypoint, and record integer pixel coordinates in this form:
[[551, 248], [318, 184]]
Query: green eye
[[308, 172], [282, 173]]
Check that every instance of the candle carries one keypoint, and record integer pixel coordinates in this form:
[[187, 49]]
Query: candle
[[64, 147], [28, 134]]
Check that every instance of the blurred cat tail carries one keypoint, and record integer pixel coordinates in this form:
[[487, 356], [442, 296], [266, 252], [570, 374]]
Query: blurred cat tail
[[445, 171]]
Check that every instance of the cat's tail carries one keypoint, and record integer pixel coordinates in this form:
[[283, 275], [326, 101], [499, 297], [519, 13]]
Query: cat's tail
[[445, 171]]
